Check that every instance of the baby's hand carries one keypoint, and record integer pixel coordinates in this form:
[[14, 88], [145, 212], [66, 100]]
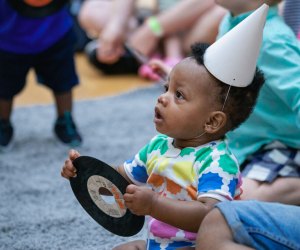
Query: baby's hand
[[160, 68], [68, 169], [139, 200]]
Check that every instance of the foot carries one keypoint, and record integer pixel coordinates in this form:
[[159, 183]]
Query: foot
[[65, 130], [6, 133]]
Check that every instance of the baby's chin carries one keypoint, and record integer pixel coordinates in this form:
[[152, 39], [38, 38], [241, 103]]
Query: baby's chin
[[161, 130]]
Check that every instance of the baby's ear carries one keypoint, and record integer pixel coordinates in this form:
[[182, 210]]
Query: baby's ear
[[215, 122]]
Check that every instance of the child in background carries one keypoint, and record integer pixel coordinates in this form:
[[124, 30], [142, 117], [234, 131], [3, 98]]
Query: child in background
[[268, 143], [46, 45], [189, 166]]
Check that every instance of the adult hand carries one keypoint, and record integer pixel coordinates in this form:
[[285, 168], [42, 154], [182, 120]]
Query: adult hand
[[68, 169], [139, 200], [110, 47]]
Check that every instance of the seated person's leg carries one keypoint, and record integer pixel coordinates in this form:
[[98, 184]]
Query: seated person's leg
[[205, 30], [260, 225], [283, 189], [214, 233], [273, 174], [94, 15]]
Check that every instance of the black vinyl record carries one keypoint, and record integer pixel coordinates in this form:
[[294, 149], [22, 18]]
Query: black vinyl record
[[37, 8], [93, 178]]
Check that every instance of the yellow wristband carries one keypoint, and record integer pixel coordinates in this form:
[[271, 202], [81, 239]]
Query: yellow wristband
[[155, 26]]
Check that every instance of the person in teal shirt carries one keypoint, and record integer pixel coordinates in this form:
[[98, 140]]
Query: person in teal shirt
[[268, 143]]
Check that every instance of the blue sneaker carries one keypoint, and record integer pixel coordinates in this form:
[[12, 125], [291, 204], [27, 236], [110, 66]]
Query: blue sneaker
[[6, 133], [65, 130]]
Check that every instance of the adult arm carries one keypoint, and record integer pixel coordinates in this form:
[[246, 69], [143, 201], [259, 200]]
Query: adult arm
[[178, 18], [114, 34]]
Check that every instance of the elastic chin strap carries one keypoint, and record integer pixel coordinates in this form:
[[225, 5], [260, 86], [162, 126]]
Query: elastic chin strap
[[200, 135], [227, 94], [226, 97]]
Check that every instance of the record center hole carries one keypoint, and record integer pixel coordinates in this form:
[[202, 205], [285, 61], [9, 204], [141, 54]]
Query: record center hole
[[107, 196]]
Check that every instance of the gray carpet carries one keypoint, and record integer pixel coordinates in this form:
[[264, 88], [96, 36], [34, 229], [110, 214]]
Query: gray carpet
[[38, 209]]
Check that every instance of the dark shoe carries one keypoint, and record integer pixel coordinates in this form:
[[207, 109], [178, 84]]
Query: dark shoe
[[6, 133], [127, 64], [66, 131]]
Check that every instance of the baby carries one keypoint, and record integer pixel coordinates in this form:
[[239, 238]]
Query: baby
[[188, 166]]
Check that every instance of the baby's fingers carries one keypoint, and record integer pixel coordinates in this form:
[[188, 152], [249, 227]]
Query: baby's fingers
[[73, 154], [159, 67], [68, 170]]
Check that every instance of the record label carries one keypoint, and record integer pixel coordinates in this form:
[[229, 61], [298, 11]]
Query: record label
[[95, 183]]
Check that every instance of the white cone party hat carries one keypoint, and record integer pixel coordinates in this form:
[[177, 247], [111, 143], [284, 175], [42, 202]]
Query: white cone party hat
[[232, 59]]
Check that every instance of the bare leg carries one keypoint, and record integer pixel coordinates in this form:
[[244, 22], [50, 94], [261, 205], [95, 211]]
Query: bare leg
[[63, 102], [94, 15], [173, 47], [214, 234], [206, 28], [284, 190], [5, 108], [133, 245]]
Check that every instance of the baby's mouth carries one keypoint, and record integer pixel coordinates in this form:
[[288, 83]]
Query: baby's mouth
[[157, 114]]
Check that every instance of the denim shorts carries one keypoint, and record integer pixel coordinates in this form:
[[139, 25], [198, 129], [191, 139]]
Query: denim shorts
[[263, 225], [54, 68]]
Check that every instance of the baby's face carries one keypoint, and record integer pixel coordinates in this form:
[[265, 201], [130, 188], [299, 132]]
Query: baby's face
[[182, 110]]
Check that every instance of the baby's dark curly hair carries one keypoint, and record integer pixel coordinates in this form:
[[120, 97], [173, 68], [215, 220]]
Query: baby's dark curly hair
[[241, 100]]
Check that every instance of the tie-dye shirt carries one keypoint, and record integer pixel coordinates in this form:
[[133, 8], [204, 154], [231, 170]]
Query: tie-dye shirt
[[209, 170]]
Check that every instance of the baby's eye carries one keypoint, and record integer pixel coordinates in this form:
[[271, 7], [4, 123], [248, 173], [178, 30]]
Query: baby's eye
[[166, 87], [179, 95]]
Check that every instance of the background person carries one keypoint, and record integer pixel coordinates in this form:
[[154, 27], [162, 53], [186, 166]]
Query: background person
[[46, 45], [267, 144]]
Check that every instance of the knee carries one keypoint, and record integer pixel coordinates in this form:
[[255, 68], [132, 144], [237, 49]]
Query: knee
[[211, 220], [83, 16], [213, 224]]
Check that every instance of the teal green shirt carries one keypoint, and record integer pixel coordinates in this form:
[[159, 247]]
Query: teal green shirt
[[276, 116]]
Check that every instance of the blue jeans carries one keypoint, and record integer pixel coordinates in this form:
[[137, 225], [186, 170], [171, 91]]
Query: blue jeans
[[263, 225]]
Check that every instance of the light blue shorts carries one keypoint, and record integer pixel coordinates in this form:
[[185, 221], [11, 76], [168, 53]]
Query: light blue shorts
[[263, 225]]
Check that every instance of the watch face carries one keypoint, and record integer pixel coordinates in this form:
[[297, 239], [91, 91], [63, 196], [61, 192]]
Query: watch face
[[37, 8]]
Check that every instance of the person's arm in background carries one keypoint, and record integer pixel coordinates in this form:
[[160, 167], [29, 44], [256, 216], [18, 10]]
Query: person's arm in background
[[109, 21], [114, 34], [178, 18]]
